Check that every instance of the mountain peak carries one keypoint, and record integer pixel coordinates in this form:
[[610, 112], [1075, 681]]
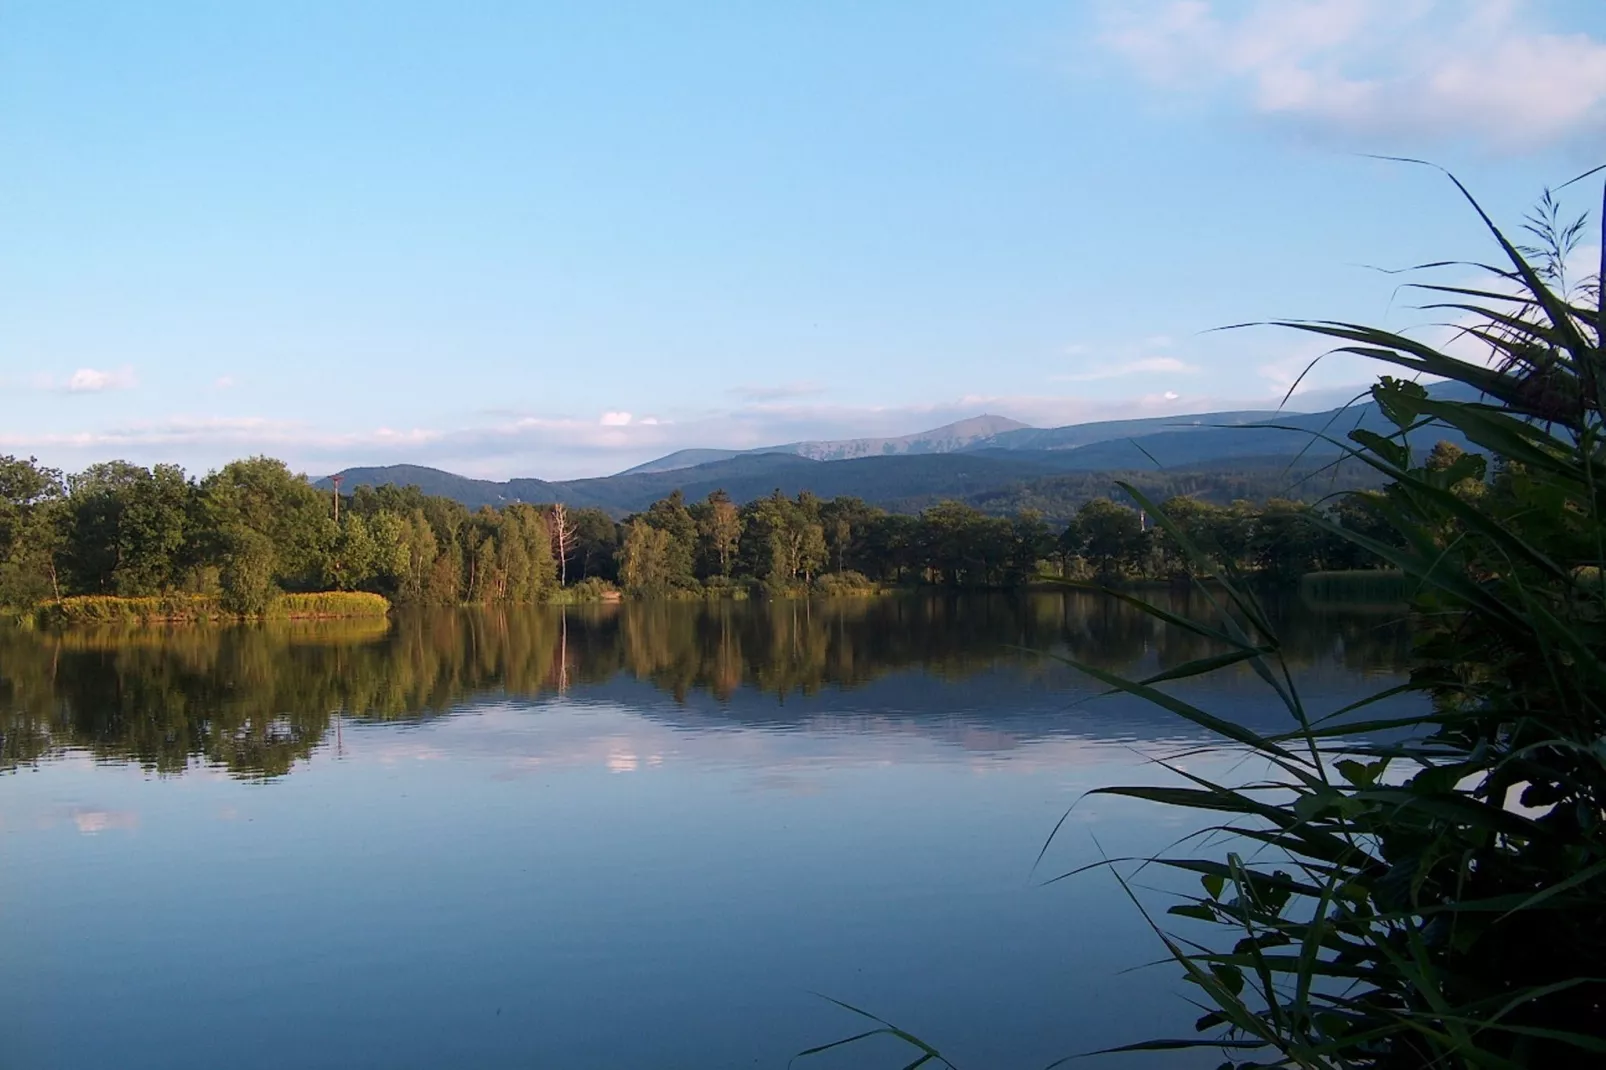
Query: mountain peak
[[948, 438], [985, 424]]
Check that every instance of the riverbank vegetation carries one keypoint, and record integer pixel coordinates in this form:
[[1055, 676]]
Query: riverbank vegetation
[[190, 608], [1430, 890], [1426, 889], [241, 539]]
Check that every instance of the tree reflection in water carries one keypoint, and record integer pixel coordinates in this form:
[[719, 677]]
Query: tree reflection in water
[[255, 699]]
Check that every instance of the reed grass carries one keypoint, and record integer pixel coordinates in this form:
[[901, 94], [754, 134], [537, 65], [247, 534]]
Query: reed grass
[[1355, 587], [328, 605], [1425, 889], [197, 608]]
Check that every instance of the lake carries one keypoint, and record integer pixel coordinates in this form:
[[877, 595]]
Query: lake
[[649, 834]]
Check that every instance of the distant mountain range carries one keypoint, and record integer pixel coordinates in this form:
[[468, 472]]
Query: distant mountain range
[[949, 438], [991, 461]]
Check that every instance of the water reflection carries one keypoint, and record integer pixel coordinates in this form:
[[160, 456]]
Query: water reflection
[[257, 699]]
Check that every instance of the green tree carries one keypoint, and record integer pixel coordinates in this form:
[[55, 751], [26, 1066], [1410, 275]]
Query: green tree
[[445, 584], [30, 531], [644, 565], [1286, 541], [127, 528], [846, 522], [392, 553], [812, 553], [529, 554], [596, 542], [354, 560], [421, 549], [1199, 522], [486, 583], [721, 528], [671, 516], [1032, 543], [544, 578], [261, 495], [1111, 535], [249, 564]]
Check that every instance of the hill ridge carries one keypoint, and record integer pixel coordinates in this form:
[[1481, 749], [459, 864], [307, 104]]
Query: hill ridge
[[984, 471]]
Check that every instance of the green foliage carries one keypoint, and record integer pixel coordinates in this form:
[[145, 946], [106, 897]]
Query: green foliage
[[1427, 889], [596, 543], [127, 527], [719, 530], [590, 589], [30, 531], [354, 558], [264, 516], [646, 564], [248, 570], [254, 529], [1436, 897], [1108, 534], [834, 584]]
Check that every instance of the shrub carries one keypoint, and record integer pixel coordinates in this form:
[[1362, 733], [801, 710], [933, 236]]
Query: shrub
[[726, 587], [590, 589], [844, 583]]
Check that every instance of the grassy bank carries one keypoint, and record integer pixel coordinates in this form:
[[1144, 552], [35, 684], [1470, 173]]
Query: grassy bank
[[195, 608]]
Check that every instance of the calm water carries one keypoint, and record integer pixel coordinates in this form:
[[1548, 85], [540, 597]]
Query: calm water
[[636, 835]]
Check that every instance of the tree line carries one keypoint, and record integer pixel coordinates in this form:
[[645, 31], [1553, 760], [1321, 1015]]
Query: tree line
[[253, 528]]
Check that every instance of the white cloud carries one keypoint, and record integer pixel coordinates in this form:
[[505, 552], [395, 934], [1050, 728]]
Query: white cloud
[[240, 433], [1143, 366], [615, 419], [94, 381], [223, 382], [1376, 70], [505, 445]]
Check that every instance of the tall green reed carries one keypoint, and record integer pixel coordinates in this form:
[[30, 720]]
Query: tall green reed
[[1428, 888]]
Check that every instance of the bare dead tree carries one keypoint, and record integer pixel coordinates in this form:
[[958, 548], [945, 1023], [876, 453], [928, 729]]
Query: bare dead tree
[[562, 541]]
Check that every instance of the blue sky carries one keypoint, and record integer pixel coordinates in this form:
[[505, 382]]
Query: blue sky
[[552, 240]]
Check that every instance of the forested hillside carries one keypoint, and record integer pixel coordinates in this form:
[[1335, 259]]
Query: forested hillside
[[996, 482], [1223, 456]]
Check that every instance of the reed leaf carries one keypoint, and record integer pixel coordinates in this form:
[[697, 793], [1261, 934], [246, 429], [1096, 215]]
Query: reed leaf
[[1383, 902]]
